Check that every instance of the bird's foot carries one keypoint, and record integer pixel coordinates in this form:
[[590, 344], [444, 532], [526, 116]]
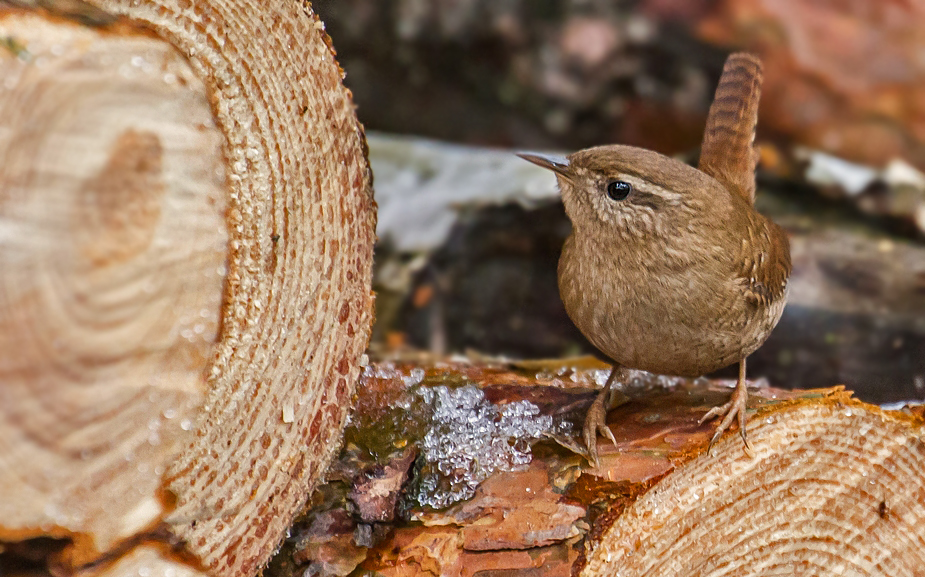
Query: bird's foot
[[734, 408], [596, 422]]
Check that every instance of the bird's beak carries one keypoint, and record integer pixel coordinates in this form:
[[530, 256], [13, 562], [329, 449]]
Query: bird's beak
[[558, 164]]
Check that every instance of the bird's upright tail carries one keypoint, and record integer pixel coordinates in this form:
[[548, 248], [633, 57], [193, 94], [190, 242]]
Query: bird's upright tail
[[728, 153]]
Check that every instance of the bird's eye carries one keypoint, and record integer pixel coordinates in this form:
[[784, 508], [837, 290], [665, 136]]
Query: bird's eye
[[619, 189]]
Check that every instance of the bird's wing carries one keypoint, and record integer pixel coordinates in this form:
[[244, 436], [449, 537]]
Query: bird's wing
[[727, 153], [765, 264]]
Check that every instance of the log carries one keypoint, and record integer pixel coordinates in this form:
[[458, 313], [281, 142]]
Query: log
[[187, 227], [449, 469]]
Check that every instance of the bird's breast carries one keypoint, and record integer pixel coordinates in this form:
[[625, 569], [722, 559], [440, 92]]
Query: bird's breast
[[684, 321]]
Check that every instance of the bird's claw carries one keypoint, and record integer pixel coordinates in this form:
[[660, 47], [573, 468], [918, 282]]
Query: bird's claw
[[596, 422], [735, 408]]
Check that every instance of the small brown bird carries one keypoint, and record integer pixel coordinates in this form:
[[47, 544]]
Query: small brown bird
[[670, 269]]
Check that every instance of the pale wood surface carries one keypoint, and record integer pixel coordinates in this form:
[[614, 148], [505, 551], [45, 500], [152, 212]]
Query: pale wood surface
[[113, 256], [834, 488], [187, 244]]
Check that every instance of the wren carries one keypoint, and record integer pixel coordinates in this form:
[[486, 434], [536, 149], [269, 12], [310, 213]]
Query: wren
[[669, 268]]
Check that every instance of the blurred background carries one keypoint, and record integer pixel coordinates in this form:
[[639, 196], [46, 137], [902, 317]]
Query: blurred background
[[469, 235]]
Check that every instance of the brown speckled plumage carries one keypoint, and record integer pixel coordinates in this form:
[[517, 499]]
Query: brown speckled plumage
[[682, 276]]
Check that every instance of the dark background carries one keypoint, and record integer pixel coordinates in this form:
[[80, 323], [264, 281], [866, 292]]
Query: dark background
[[841, 77]]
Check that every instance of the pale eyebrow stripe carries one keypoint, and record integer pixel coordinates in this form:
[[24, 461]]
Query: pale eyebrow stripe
[[641, 184]]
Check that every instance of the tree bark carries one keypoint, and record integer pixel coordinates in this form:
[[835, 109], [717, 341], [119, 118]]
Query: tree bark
[[833, 486], [187, 226]]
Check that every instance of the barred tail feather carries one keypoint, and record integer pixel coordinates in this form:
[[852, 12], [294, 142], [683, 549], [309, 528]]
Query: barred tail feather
[[728, 153]]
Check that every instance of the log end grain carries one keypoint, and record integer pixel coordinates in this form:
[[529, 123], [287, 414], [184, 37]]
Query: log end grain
[[188, 229]]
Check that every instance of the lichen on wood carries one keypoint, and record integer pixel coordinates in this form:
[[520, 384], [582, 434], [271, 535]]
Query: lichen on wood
[[819, 455]]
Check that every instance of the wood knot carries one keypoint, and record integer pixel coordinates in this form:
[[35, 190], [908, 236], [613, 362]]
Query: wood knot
[[121, 205]]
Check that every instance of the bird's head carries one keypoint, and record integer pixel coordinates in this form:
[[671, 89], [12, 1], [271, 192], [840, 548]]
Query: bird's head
[[631, 192]]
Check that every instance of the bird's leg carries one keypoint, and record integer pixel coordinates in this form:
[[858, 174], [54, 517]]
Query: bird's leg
[[729, 411], [596, 420]]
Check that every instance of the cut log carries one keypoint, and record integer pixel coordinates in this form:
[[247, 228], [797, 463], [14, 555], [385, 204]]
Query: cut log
[[187, 228], [834, 486]]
